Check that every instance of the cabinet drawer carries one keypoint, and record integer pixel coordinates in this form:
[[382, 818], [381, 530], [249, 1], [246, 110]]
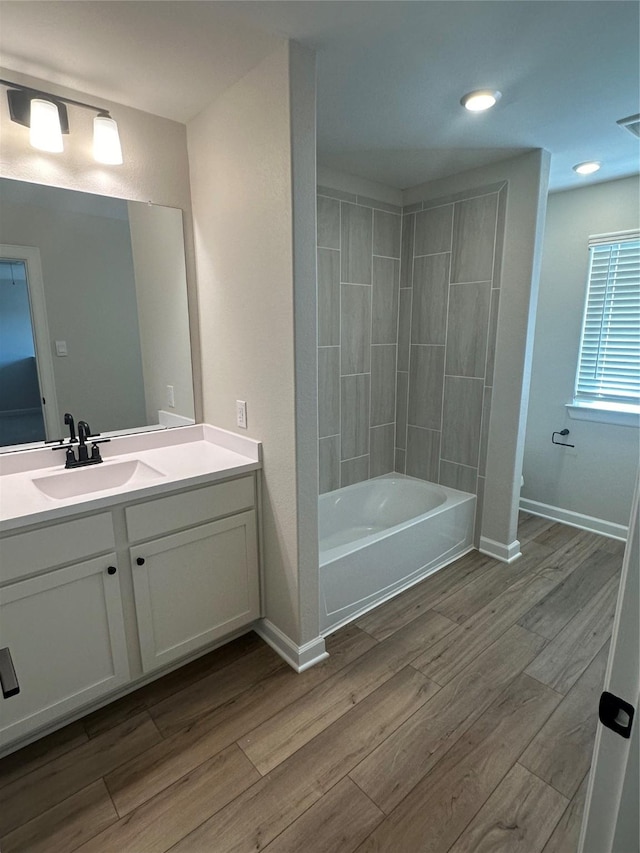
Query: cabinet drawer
[[156, 518], [68, 542]]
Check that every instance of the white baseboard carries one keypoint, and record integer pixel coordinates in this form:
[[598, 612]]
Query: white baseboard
[[298, 657], [500, 551], [575, 519]]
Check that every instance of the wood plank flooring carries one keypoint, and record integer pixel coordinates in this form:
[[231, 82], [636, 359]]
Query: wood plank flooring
[[457, 718]]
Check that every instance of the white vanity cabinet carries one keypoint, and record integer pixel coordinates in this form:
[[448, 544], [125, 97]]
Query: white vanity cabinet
[[63, 628], [90, 607], [194, 586]]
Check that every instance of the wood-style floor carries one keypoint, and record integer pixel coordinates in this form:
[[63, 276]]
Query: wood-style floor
[[459, 717]]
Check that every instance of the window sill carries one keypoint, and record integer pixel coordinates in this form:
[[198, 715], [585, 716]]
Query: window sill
[[605, 413]]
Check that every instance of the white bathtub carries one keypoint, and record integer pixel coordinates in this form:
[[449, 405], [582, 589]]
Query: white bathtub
[[383, 535]]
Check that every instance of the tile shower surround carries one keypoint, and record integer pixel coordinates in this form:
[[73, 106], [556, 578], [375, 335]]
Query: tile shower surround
[[430, 318], [359, 241]]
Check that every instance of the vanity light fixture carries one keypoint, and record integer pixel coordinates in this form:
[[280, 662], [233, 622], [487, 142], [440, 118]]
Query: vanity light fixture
[[45, 131], [46, 117], [587, 168], [106, 141], [480, 100]]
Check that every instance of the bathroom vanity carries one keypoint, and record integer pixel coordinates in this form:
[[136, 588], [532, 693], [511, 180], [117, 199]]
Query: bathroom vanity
[[112, 575]]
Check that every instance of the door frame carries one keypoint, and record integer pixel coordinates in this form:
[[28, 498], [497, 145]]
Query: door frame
[[606, 812], [30, 256]]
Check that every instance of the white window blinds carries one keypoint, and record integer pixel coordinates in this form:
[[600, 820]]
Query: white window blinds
[[609, 363]]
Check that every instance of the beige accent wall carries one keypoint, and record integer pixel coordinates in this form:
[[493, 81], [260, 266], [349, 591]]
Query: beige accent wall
[[241, 156]]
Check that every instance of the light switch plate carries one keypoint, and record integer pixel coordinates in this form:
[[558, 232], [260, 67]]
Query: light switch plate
[[61, 348], [241, 414]]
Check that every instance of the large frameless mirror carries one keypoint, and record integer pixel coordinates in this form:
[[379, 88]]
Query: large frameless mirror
[[93, 314]]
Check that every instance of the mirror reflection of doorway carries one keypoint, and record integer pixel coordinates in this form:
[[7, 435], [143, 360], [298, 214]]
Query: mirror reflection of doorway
[[21, 417]]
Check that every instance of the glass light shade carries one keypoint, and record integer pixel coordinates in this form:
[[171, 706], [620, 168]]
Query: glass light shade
[[587, 168], [106, 141], [481, 100], [45, 132]]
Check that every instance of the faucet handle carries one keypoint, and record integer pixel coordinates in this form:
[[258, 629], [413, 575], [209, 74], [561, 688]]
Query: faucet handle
[[68, 420]]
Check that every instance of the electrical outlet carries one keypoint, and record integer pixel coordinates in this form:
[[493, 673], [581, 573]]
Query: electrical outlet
[[171, 397], [241, 414]]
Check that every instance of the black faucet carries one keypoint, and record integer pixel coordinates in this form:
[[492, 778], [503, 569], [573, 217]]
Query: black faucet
[[68, 419], [84, 433]]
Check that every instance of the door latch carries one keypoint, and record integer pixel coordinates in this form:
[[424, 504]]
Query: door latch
[[616, 714]]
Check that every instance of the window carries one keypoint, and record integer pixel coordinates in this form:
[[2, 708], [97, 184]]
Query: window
[[608, 375]]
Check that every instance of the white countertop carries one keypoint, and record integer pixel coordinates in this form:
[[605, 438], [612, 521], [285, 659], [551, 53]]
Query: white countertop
[[182, 457]]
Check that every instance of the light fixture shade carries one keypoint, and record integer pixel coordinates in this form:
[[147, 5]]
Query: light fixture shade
[[106, 141], [45, 132], [481, 99]]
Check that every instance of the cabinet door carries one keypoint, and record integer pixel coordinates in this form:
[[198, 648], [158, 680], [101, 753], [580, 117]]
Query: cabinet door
[[193, 587], [65, 634]]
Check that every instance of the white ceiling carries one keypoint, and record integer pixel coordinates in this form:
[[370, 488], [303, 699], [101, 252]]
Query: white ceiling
[[390, 74]]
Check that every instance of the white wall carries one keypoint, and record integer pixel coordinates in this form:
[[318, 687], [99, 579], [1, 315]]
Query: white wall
[[155, 168], [527, 177], [240, 152], [302, 93], [596, 477], [163, 314]]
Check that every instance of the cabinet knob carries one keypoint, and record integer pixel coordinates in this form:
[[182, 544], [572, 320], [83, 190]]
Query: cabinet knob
[[140, 561], [111, 570]]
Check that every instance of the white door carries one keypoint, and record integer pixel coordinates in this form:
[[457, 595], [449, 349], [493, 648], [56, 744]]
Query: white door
[[610, 823]]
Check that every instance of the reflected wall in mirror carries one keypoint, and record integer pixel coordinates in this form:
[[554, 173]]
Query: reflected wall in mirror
[[93, 314]]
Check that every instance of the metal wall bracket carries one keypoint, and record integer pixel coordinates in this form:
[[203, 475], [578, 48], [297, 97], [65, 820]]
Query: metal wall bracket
[[563, 432]]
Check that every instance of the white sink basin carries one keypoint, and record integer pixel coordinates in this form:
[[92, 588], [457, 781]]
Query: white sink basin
[[96, 478]]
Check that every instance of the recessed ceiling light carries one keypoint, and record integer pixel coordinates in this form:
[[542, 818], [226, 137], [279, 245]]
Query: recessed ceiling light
[[587, 168], [481, 99]]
